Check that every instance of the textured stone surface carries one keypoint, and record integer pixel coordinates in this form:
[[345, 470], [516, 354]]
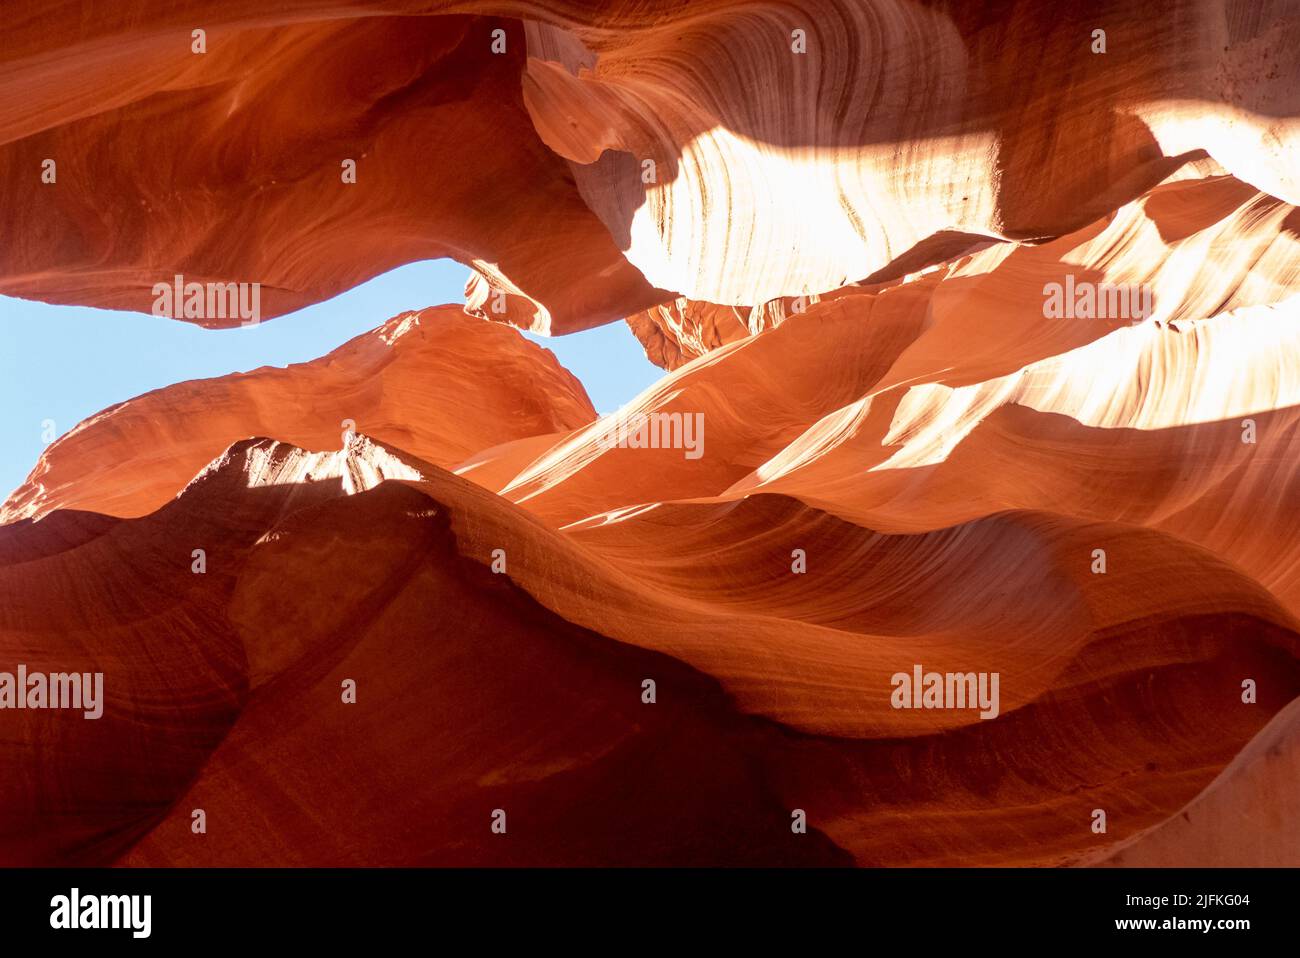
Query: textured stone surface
[[904, 455]]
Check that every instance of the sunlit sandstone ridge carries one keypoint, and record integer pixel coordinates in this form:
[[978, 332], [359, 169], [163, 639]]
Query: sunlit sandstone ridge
[[841, 226], [1198, 244], [441, 383]]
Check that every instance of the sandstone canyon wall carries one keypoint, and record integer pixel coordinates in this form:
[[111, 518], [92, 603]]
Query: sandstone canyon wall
[[981, 338]]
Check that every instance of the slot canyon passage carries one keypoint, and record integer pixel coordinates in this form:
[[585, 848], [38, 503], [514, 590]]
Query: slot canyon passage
[[962, 526]]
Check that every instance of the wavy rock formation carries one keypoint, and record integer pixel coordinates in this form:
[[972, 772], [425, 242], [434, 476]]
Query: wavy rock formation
[[436, 381], [319, 572], [973, 369], [268, 119], [869, 137], [1161, 242], [1140, 668], [933, 135]]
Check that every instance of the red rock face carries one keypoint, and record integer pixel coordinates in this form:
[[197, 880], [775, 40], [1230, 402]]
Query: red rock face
[[972, 369], [438, 382]]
